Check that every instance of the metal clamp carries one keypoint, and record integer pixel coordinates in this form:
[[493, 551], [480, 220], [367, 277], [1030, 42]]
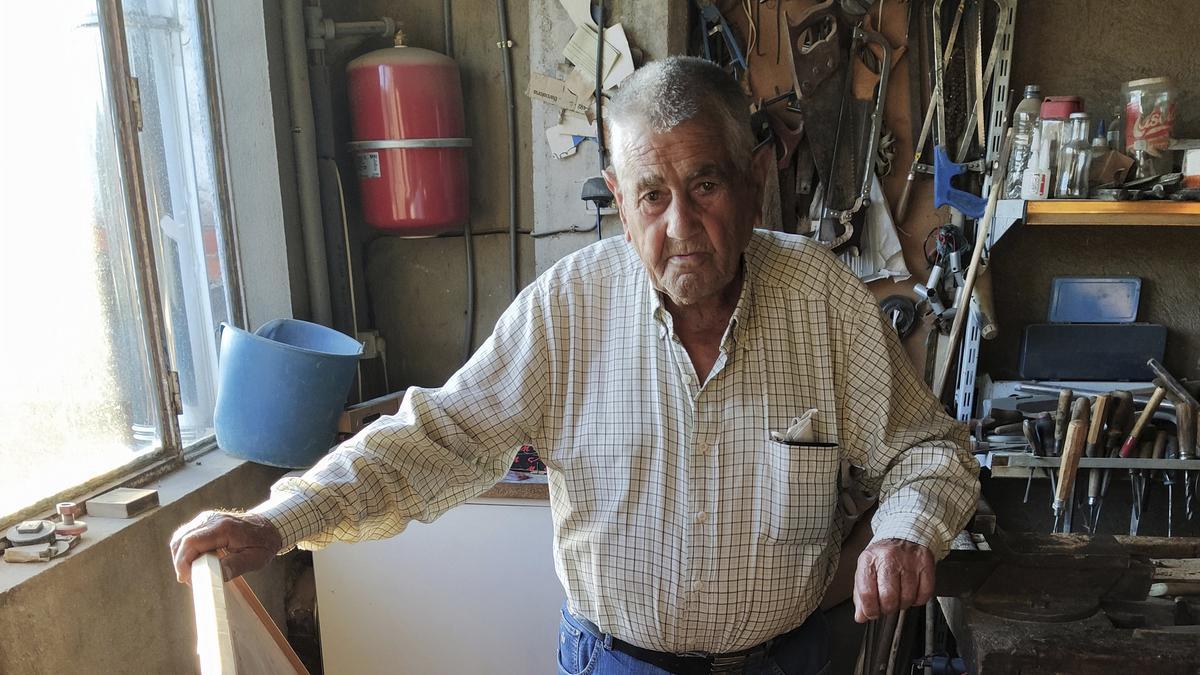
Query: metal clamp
[[409, 143]]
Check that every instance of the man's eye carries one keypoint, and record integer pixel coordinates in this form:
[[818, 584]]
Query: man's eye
[[651, 196], [708, 186]]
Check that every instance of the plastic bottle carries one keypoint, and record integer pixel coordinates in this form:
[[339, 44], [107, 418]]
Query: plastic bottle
[[1025, 120], [1075, 159], [1035, 183]]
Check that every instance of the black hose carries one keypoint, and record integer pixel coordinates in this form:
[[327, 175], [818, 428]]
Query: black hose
[[598, 17], [506, 47]]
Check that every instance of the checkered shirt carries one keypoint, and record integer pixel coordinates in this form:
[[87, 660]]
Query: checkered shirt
[[679, 524]]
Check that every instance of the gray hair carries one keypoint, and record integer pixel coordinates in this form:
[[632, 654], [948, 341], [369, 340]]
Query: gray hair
[[664, 94]]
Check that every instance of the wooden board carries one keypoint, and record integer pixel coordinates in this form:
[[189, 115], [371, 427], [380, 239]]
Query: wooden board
[[234, 633]]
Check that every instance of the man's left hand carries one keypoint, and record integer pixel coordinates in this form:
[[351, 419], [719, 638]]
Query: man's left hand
[[892, 575]]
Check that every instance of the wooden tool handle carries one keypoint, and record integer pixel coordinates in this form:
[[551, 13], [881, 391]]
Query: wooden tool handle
[[1147, 414], [1060, 420], [1095, 433], [1076, 437], [1185, 416], [1095, 478]]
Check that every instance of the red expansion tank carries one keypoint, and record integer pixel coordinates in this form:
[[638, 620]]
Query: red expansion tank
[[409, 140]]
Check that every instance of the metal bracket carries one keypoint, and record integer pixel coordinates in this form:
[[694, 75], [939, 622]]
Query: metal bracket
[[969, 357]]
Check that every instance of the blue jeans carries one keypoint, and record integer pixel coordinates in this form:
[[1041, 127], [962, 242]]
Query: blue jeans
[[581, 652]]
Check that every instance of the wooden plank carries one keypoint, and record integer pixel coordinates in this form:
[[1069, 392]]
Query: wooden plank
[[358, 416], [213, 642], [234, 633], [1177, 569]]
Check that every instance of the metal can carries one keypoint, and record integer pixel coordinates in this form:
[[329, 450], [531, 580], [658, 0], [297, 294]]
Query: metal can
[[1149, 118]]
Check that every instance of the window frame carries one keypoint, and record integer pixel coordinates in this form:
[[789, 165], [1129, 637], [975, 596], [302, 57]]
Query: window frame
[[125, 104]]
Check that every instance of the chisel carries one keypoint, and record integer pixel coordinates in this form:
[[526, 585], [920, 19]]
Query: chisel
[[1137, 479], [1072, 449], [1095, 448], [1185, 417]]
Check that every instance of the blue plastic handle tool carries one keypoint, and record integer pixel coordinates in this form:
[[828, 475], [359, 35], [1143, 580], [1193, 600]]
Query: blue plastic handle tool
[[711, 16], [944, 171]]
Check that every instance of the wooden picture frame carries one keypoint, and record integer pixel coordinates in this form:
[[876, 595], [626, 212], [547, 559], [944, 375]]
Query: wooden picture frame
[[234, 633]]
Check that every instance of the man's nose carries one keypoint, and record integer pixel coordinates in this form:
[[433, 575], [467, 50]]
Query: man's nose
[[683, 218]]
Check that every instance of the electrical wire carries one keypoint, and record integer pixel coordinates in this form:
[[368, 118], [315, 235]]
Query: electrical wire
[[467, 234], [505, 46], [337, 173]]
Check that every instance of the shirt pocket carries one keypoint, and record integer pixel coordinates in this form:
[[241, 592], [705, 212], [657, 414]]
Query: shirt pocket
[[800, 489]]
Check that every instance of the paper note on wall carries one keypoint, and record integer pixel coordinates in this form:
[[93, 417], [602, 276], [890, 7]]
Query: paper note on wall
[[581, 51]]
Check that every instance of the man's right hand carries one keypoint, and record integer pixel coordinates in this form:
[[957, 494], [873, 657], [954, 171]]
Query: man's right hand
[[250, 541]]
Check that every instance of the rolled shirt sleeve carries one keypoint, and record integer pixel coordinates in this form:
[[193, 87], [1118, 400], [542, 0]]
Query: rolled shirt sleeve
[[441, 448], [916, 457]]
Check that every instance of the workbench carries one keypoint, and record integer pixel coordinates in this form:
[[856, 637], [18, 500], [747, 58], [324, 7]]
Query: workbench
[[1069, 604]]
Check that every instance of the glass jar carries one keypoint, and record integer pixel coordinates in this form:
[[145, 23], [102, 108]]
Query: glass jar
[[1075, 159], [1149, 117]]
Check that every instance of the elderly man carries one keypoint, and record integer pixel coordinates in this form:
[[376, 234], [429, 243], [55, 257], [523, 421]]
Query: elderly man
[[650, 374]]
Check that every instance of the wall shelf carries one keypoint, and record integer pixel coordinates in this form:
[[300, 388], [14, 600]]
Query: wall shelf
[[1093, 212], [1148, 212]]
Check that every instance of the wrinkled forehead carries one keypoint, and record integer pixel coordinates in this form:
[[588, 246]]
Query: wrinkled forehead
[[640, 153]]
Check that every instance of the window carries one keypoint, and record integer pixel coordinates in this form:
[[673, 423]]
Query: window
[[113, 279]]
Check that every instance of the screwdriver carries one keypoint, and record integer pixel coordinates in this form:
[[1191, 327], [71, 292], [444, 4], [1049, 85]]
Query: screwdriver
[[1172, 452], [1073, 447], [1095, 448], [1118, 426]]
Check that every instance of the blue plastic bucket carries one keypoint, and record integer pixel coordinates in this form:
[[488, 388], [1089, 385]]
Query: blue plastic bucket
[[281, 389]]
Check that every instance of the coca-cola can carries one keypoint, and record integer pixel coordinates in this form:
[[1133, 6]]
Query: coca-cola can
[[1149, 118]]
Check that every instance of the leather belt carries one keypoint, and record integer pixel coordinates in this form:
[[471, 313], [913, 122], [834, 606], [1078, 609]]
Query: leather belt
[[730, 663]]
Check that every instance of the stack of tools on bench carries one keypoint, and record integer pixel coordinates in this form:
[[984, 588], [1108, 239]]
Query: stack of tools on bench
[[1146, 435]]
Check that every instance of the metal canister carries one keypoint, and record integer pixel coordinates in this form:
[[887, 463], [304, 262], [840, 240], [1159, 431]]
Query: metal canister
[[1149, 117]]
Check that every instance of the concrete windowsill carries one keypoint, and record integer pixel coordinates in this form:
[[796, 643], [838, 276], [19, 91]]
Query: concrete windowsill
[[173, 487]]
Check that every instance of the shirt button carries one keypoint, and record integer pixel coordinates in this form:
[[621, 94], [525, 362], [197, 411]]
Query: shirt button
[[704, 448], [697, 586], [702, 517]]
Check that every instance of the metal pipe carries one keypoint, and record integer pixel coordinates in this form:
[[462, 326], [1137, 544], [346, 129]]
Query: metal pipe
[[505, 45], [304, 149], [1138, 399], [383, 28]]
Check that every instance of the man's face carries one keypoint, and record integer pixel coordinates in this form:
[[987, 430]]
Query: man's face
[[686, 208]]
